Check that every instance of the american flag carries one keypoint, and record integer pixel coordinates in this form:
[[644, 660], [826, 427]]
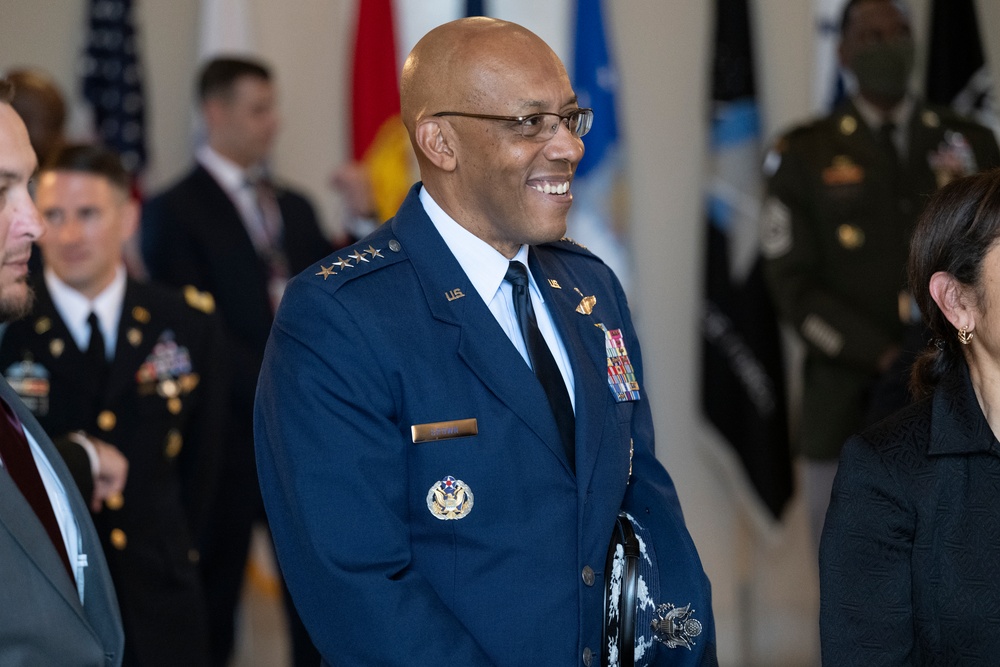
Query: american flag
[[112, 81]]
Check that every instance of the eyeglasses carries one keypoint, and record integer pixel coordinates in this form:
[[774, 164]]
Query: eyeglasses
[[540, 126]]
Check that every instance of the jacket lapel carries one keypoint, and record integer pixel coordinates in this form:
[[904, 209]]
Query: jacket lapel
[[132, 344], [19, 519], [585, 346], [483, 346]]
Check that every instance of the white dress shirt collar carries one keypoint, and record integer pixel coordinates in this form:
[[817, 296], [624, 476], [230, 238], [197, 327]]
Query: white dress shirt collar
[[229, 175], [482, 263], [74, 309]]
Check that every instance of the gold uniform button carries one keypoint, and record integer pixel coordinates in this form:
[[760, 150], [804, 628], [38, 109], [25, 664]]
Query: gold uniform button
[[118, 539], [140, 314], [193, 555], [106, 420], [174, 443], [588, 575], [115, 502], [174, 405]]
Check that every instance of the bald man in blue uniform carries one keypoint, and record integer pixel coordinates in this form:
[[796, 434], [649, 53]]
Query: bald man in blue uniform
[[429, 494]]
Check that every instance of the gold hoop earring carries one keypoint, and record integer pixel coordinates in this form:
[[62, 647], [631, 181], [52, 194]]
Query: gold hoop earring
[[964, 336]]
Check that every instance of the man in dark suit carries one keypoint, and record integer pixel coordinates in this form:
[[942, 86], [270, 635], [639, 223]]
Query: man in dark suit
[[452, 413], [844, 193], [226, 228], [135, 365], [57, 602]]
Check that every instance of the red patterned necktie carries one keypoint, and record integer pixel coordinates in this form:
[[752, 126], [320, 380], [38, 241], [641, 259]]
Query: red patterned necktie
[[17, 458]]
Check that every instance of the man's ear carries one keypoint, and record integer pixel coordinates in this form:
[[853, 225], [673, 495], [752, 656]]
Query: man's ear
[[435, 140], [952, 297]]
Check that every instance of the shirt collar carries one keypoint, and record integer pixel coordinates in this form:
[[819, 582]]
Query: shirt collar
[[875, 117], [230, 175], [482, 263], [74, 308]]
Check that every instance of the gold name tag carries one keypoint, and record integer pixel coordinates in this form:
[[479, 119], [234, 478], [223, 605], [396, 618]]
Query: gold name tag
[[459, 428]]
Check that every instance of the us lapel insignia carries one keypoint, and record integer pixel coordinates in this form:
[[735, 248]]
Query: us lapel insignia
[[454, 294], [587, 303], [554, 283], [42, 324], [621, 375], [449, 499]]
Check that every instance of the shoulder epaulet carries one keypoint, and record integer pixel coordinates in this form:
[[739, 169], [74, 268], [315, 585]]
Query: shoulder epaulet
[[566, 243], [199, 300], [357, 260]]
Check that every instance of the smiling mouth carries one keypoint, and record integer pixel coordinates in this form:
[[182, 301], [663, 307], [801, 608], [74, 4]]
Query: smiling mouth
[[552, 188]]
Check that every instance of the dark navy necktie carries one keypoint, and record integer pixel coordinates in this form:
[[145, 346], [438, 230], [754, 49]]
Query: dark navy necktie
[[17, 458], [542, 361]]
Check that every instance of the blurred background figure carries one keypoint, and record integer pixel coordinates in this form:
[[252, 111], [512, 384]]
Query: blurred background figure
[[229, 229], [909, 557], [843, 196], [104, 359], [40, 104]]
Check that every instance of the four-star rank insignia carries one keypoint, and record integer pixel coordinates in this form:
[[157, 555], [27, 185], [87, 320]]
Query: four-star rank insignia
[[449, 499], [358, 257]]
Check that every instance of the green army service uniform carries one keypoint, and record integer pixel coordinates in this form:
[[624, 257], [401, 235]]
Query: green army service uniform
[[835, 232]]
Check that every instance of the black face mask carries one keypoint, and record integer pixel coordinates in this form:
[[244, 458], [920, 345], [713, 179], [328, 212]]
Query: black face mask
[[883, 69]]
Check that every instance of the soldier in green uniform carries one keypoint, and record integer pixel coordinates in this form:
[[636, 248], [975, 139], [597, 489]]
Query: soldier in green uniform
[[102, 358], [844, 193]]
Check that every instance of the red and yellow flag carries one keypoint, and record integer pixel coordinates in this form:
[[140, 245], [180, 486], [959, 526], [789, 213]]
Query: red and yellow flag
[[379, 138]]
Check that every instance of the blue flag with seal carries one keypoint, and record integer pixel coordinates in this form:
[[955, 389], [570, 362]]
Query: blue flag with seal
[[598, 214], [743, 394]]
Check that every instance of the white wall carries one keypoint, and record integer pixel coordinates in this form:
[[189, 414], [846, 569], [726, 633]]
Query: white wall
[[763, 577]]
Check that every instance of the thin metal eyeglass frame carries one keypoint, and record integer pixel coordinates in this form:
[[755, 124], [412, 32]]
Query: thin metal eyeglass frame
[[563, 119]]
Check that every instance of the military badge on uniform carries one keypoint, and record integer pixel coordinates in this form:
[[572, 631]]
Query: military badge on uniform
[[621, 375], [775, 228], [167, 372], [953, 159], [30, 380], [449, 499], [843, 171], [587, 303]]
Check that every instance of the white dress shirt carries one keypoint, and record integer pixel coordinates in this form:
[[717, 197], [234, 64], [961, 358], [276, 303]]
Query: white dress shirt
[[486, 269], [74, 309], [236, 182]]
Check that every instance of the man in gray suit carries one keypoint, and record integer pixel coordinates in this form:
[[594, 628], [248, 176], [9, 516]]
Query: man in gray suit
[[57, 604]]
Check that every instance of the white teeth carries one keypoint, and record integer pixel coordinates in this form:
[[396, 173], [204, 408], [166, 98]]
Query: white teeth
[[549, 189]]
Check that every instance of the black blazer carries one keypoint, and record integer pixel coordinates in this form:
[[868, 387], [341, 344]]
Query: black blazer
[[192, 234], [910, 554]]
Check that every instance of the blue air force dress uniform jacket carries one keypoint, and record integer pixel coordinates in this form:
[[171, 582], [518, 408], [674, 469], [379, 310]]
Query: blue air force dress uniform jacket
[[421, 503], [835, 235], [42, 621], [161, 405]]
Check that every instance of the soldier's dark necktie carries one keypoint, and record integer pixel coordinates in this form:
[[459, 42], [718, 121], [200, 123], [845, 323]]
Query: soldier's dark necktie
[[542, 361], [97, 361], [17, 459], [887, 142]]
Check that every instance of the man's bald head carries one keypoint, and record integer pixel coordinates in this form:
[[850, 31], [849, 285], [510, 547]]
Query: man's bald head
[[460, 66]]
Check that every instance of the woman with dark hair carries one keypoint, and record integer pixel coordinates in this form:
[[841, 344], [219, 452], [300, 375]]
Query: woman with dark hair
[[910, 555]]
